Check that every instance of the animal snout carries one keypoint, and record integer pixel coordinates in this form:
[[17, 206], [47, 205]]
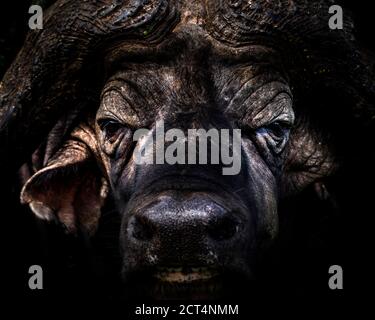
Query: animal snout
[[205, 220], [184, 229]]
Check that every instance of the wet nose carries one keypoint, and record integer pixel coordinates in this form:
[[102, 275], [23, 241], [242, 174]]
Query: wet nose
[[183, 225]]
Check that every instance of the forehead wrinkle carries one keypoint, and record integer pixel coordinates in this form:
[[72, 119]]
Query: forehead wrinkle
[[139, 82], [264, 99], [280, 107], [247, 89], [145, 91], [231, 79], [187, 40], [116, 105], [191, 71]]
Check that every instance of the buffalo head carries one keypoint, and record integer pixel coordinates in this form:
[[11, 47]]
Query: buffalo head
[[101, 71]]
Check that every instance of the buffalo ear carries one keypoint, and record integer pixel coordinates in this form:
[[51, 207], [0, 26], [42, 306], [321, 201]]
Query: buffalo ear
[[70, 188]]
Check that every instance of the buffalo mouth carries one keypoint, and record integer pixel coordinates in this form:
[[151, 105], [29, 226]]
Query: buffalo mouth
[[185, 275], [185, 283]]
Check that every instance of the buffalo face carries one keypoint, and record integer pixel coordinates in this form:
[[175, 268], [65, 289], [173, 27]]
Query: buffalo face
[[186, 223], [190, 65]]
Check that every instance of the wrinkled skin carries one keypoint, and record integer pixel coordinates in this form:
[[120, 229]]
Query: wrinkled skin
[[194, 71]]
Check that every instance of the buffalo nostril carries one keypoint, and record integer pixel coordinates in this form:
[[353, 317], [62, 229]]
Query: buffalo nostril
[[141, 228], [223, 228]]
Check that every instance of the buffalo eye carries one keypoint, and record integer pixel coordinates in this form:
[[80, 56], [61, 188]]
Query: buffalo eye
[[277, 130], [276, 134], [110, 128]]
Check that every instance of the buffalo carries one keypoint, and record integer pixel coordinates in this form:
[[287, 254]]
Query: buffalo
[[98, 71]]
